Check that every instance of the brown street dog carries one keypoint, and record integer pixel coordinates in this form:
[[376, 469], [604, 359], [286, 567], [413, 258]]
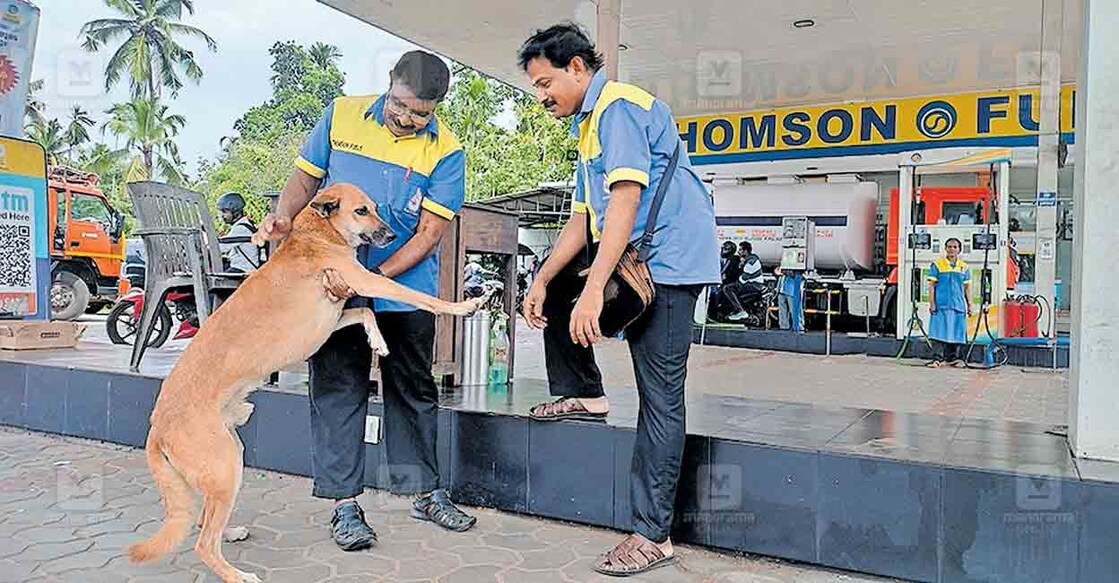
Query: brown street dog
[[280, 315]]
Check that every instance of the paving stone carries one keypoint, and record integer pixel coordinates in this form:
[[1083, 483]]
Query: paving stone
[[516, 575], [474, 574], [482, 555], [15, 572], [314, 572], [554, 557], [43, 552], [430, 567], [517, 542], [83, 562]]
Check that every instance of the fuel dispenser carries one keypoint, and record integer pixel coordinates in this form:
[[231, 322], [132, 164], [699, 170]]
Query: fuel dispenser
[[982, 231]]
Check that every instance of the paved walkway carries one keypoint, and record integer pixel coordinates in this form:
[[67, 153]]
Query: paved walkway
[[68, 507]]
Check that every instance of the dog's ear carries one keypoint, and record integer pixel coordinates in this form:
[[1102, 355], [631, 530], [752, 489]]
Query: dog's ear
[[325, 206]]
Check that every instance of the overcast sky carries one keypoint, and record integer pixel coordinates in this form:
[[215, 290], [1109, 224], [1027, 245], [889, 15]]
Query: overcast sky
[[236, 77]]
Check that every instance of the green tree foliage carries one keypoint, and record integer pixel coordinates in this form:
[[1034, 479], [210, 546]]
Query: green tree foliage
[[304, 82], [252, 169], [50, 135], [501, 160]]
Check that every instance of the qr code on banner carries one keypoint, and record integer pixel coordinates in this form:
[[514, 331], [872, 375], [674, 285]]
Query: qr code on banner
[[17, 259]]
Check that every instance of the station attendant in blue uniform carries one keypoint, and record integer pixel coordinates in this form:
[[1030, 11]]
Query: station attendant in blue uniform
[[626, 138], [949, 303], [395, 149]]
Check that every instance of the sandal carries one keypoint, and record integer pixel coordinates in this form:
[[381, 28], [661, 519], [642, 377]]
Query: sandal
[[636, 554], [564, 408], [935, 364], [437, 507]]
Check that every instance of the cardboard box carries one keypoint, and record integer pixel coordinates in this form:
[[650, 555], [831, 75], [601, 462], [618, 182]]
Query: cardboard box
[[23, 335]]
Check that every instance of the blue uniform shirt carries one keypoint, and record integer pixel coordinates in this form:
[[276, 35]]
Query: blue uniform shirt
[[401, 175], [627, 134], [949, 283]]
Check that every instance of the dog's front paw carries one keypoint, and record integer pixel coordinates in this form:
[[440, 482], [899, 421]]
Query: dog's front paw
[[379, 347]]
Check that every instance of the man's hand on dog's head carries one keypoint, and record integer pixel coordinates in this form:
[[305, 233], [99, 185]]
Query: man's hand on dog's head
[[336, 287], [273, 228]]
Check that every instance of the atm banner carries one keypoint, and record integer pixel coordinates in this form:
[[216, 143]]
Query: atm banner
[[986, 118]]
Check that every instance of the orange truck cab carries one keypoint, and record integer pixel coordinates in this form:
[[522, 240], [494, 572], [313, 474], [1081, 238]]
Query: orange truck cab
[[87, 245]]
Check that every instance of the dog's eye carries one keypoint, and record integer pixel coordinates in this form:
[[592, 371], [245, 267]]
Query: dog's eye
[[362, 211]]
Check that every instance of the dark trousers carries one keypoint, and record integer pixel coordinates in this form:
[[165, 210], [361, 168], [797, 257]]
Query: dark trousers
[[659, 344], [949, 351], [339, 396]]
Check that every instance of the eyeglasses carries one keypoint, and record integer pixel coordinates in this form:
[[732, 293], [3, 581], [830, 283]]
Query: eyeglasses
[[400, 108]]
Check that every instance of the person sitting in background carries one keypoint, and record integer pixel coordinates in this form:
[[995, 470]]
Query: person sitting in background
[[730, 263], [240, 256], [749, 286]]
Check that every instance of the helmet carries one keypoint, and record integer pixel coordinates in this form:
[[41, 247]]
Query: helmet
[[729, 248], [232, 202]]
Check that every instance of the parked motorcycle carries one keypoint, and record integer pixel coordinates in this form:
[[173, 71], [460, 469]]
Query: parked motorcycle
[[123, 321], [755, 302]]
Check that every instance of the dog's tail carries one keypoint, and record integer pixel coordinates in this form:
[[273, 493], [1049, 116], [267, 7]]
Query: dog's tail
[[177, 501]]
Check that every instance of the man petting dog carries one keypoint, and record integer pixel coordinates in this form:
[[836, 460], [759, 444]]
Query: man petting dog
[[410, 164]]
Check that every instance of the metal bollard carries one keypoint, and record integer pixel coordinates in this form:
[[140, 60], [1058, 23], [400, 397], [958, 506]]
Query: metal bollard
[[476, 348]]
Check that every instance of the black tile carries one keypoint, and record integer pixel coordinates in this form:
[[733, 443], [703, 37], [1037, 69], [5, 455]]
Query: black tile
[[489, 460], [1000, 527], [87, 404], [623, 462], [1099, 514], [46, 398], [283, 432], [554, 489], [131, 399], [247, 433], [769, 500], [13, 383], [696, 491], [879, 516]]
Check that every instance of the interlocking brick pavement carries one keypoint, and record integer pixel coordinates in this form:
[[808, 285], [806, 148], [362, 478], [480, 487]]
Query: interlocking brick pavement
[[68, 507]]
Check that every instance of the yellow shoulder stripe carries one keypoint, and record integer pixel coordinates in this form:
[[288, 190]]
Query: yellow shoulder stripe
[[590, 147]]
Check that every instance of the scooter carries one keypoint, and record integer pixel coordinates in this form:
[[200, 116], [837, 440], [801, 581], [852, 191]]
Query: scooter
[[123, 321]]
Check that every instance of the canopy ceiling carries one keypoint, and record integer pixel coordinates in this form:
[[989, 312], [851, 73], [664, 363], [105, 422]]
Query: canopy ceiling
[[717, 56]]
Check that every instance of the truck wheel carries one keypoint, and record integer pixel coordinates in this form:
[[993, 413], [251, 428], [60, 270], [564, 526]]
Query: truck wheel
[[123, 320], [69, 296]]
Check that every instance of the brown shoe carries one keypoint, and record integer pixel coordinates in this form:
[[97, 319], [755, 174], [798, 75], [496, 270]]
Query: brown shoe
[[564, 408]]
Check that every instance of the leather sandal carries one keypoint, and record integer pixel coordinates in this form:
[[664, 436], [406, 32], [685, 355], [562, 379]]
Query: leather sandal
[[636, 554], [349, 529], [437, 507], [564, 408]]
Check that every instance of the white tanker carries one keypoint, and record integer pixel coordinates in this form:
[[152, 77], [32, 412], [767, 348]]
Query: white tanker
[[844, 213]]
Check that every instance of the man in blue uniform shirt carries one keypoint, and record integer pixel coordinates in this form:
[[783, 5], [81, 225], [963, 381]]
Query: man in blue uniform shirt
[[626, 139], [409, 163]]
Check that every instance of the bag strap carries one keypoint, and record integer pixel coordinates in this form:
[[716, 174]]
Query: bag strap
[[655, 208]]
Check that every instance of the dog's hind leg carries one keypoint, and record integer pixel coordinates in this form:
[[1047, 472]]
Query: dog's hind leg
[[177, 500], [219, 491], [233, 534]]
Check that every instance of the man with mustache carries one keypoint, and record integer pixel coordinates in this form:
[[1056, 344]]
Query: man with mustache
[[626, 140], [409, 163]]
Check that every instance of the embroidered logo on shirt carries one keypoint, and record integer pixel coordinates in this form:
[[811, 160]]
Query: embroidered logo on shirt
[[415, 201]]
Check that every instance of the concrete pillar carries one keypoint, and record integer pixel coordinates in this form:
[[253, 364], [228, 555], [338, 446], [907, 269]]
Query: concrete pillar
[[1093, 397], [1048, 140], [608, 34]]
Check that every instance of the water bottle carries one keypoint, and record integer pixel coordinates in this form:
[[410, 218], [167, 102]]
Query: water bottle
[[499, 350]]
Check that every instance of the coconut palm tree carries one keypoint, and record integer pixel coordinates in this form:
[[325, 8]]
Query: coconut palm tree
[[77, 131], [35, 107], [149, 51], [324, 55], [149, 133], [50, 135]]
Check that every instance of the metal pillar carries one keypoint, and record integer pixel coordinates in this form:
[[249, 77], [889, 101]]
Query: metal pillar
[[608, 34], [1048, 141]]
